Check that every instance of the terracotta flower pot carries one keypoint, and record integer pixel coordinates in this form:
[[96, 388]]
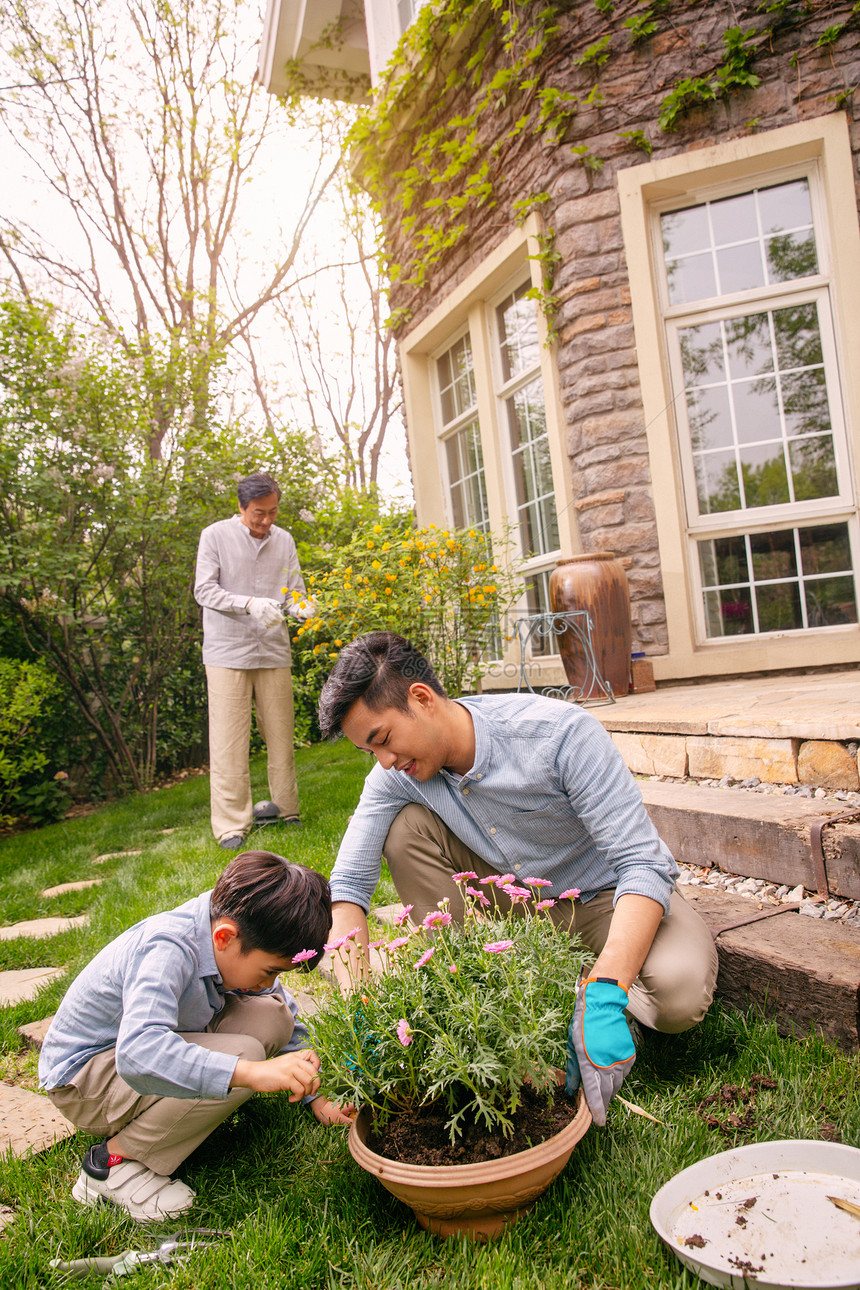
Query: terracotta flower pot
[[479, 1200]]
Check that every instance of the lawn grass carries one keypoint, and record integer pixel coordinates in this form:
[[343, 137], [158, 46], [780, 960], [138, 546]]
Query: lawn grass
[[300, 1212]]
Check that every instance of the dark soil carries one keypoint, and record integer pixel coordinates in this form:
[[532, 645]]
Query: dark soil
[[738, 1102], [421, 1138]]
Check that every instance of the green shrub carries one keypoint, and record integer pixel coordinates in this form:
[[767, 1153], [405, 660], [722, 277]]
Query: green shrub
[[26, 692]]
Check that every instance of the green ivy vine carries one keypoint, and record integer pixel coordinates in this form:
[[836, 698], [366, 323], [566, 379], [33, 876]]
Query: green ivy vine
[[414, 154]]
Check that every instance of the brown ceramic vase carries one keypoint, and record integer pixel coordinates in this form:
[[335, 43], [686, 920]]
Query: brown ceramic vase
[[596, 583], [477, 1200]]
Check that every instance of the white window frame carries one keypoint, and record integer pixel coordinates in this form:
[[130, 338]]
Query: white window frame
[[821, 150], [471, 307]]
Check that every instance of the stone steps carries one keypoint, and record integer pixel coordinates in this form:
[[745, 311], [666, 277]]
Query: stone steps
[[780, 730]]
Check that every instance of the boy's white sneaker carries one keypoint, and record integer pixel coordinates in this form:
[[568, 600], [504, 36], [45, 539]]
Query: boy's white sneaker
[[144, 1195]]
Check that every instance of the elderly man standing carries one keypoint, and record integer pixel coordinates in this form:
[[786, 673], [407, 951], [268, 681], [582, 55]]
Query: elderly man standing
[[246, 565]]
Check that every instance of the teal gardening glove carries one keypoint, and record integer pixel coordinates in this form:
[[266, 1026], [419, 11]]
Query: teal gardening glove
[[600, 1048]]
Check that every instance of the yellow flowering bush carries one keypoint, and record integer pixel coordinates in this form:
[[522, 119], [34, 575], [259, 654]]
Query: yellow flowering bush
[[441, 588]]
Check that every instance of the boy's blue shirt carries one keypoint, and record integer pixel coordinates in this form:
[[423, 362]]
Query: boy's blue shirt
[[157, 979]]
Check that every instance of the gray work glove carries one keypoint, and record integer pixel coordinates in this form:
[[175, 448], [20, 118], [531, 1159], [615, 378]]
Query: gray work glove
[[302, 608], [268, 612], [600, 1048]]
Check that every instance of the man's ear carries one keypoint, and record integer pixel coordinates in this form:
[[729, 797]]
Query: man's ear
[[423, 695], [224, 932]]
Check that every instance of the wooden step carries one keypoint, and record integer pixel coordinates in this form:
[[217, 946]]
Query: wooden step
[[802, 972], [755, 834]]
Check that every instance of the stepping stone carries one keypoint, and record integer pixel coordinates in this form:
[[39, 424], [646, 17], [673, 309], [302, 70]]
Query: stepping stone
[[29, 1122], [39, 928], [71, 886], [25, 983], [6, 1216], [387, 914], [113, 855], [34, 1032], [167, 830]]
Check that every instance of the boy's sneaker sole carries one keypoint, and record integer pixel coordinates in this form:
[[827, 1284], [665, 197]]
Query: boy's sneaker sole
[[146, 1196]]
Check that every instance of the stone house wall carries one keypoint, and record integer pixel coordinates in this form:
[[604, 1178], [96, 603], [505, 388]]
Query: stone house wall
[[596, 355]]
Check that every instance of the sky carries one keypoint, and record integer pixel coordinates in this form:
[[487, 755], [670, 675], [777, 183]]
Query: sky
[[271, 201]]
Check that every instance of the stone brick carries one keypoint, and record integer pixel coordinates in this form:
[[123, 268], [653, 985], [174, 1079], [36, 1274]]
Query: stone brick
[[827, 765], [601, 517], [599, 499], [614, 473], [628, 539], [600, 401], [591, 322], [639, 505], [774, 761], [605, 454], [653, 754]]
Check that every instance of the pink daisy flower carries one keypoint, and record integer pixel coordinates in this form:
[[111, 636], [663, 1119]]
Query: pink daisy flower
[[498, 947], [572, 893], [465, 876], [477, 895], [517, 894], [537, 882], [397, 943], [436, 919], [304, 955], [428, 954], [452, 967], [404, 1032], [401, 918], [546, 904]]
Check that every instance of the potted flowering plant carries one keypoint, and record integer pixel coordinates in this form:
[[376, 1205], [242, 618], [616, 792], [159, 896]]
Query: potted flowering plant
[[464, 1032]]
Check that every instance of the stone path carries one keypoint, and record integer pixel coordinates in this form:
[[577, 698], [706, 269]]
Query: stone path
[[113, 855], [33, 1033], [6, 1216], [25, 983], [71, 886], [29, 1122], [39, 928]]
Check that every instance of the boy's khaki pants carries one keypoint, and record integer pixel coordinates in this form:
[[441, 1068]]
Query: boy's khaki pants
[[231, 692], [676, 984], [161, 1131]]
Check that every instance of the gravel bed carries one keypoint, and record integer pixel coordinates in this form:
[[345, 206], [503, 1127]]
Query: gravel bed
[[758, 889]]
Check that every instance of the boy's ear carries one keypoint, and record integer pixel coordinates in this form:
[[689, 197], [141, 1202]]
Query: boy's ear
[[224, 932]]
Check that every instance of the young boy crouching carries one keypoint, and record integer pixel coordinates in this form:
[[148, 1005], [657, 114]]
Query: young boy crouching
[[178, 1021]]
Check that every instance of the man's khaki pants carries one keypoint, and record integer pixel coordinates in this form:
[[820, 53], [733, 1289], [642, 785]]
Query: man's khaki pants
[[231, 692], [676, 984], [161, 1131]]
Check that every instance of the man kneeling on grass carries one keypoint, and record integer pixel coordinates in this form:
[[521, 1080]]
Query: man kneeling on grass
[[178, 1021]]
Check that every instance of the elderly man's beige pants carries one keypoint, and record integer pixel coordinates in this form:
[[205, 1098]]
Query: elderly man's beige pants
[[161, 1131], [231, 693], [676, 984]]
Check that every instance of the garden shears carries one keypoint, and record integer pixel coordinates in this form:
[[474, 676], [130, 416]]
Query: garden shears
[[173, 1249]]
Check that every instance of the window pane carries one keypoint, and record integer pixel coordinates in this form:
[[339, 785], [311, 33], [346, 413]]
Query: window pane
[[773, 555], [830, 602], [710, 417], [798, 336], [756, 410], [779, 608], [805, 404], [765, 235], [466, 477], [813, 468], [717, 482], [456, 376], [748, 345], [518, 334], [802, 578], [733, 219], [740, 267], [764, 475], [702, 354]]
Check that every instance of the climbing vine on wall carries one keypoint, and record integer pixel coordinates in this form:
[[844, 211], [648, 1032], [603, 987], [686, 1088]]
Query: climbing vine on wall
[[471, 78]]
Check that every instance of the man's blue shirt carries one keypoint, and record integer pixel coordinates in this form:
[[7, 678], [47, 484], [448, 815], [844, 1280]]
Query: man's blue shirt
[[548, 796]]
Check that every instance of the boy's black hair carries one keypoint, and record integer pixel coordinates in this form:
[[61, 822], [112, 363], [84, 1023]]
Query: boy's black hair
[[257, 485], [378, 668], [278, 907]]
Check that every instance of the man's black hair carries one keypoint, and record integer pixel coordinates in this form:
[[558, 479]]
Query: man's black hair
[[278, 907], [378, 668], [257, 485]]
